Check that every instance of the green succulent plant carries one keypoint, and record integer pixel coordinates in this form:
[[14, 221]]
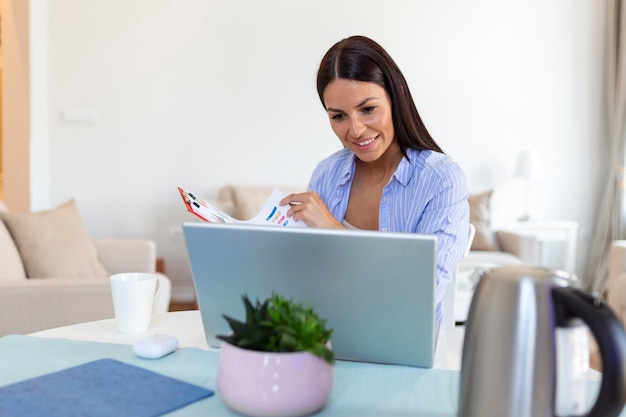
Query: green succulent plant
[[280, 325]]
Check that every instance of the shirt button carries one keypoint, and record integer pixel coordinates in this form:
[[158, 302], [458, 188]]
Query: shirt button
[[384, 198], [384, 229]]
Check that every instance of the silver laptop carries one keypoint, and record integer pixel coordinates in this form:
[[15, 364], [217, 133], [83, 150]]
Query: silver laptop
[[376, 290]]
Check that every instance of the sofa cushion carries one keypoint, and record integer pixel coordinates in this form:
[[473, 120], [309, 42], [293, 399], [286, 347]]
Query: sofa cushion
[[480, 217], [11, 266], [245, 202], [54, 243]]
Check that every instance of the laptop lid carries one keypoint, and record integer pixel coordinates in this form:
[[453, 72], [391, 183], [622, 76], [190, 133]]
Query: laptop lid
[[376, 290]]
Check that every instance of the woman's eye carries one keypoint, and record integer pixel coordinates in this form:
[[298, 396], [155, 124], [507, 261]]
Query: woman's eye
[[337, 117], [368, 109]]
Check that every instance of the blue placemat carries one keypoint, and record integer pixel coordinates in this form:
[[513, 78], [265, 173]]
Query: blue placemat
[[100, 388]]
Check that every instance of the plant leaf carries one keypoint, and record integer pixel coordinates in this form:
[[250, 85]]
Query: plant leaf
[[279, 324]]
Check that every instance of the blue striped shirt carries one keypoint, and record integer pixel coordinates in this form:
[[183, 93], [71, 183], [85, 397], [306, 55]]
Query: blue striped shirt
[[426, 194]]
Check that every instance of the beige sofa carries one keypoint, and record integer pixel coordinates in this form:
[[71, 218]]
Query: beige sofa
[[52, 274], [489, 248]]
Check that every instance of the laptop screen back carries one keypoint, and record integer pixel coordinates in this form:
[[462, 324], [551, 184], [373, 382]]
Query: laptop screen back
[[376, 290]]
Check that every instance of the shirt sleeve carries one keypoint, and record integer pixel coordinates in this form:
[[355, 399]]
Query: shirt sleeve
[[446, 215]]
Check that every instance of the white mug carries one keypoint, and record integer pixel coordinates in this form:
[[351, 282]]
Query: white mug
[[133, 295]]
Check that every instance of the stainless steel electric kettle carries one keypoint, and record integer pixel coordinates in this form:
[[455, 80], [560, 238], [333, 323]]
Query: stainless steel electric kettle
[[509, 361]]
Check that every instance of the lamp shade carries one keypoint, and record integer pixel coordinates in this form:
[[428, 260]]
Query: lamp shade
[[529, 165]]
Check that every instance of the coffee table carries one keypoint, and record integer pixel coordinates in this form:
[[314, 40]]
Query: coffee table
[[187, 327]]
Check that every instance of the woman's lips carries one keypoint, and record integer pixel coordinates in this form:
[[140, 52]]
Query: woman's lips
[[364, 144]]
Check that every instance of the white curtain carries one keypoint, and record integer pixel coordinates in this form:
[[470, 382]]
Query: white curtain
[[610, 223]]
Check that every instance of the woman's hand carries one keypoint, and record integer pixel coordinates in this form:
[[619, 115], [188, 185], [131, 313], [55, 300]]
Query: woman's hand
[[310, 208]]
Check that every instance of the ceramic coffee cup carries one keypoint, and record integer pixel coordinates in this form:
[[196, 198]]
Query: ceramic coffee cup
[[133, 296]]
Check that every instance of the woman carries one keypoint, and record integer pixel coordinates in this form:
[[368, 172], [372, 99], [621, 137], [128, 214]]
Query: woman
[[391, 175]]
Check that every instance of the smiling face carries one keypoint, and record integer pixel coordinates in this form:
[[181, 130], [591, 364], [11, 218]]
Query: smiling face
[[360, 116]]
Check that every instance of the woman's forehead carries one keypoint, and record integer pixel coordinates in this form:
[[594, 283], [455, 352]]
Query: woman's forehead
[[350, 93]]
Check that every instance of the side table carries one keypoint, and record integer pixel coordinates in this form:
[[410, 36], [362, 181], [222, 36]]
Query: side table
[[548, 243]]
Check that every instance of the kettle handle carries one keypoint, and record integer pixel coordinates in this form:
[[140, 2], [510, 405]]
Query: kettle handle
[[611, 339]]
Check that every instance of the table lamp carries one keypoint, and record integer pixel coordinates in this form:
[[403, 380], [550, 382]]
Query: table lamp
[[529, 167]]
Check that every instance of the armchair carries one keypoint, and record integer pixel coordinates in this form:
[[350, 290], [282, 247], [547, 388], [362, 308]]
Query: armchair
[[33, 304], [616, 284], [52, 274]]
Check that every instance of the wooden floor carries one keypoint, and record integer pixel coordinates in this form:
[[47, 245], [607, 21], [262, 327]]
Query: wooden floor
[[175, 306]]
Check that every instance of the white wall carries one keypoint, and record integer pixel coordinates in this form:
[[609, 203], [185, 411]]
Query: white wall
[[202, 93]]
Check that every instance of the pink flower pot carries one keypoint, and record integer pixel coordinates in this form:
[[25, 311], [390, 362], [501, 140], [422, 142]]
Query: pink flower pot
[[273, 384]]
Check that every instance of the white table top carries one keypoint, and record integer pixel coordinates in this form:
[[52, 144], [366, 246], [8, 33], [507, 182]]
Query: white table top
[[187, 327]]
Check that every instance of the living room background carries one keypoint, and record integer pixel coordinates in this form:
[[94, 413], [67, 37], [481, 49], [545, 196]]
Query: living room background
[[123, 101]]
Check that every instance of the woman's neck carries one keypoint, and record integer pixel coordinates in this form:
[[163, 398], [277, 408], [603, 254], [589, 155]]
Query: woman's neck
[[383, 168]]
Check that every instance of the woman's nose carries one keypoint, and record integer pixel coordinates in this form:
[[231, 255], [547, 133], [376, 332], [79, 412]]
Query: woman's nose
[[357, 127]]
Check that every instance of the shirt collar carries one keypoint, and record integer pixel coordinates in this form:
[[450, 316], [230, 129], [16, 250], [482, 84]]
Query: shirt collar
[[405, 169], [347, 168], [403, 173]]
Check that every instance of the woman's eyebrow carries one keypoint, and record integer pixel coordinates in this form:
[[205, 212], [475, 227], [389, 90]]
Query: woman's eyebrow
[[356, 107]]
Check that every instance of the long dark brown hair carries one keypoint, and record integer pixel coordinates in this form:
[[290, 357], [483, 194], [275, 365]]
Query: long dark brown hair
[[361, 59]]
